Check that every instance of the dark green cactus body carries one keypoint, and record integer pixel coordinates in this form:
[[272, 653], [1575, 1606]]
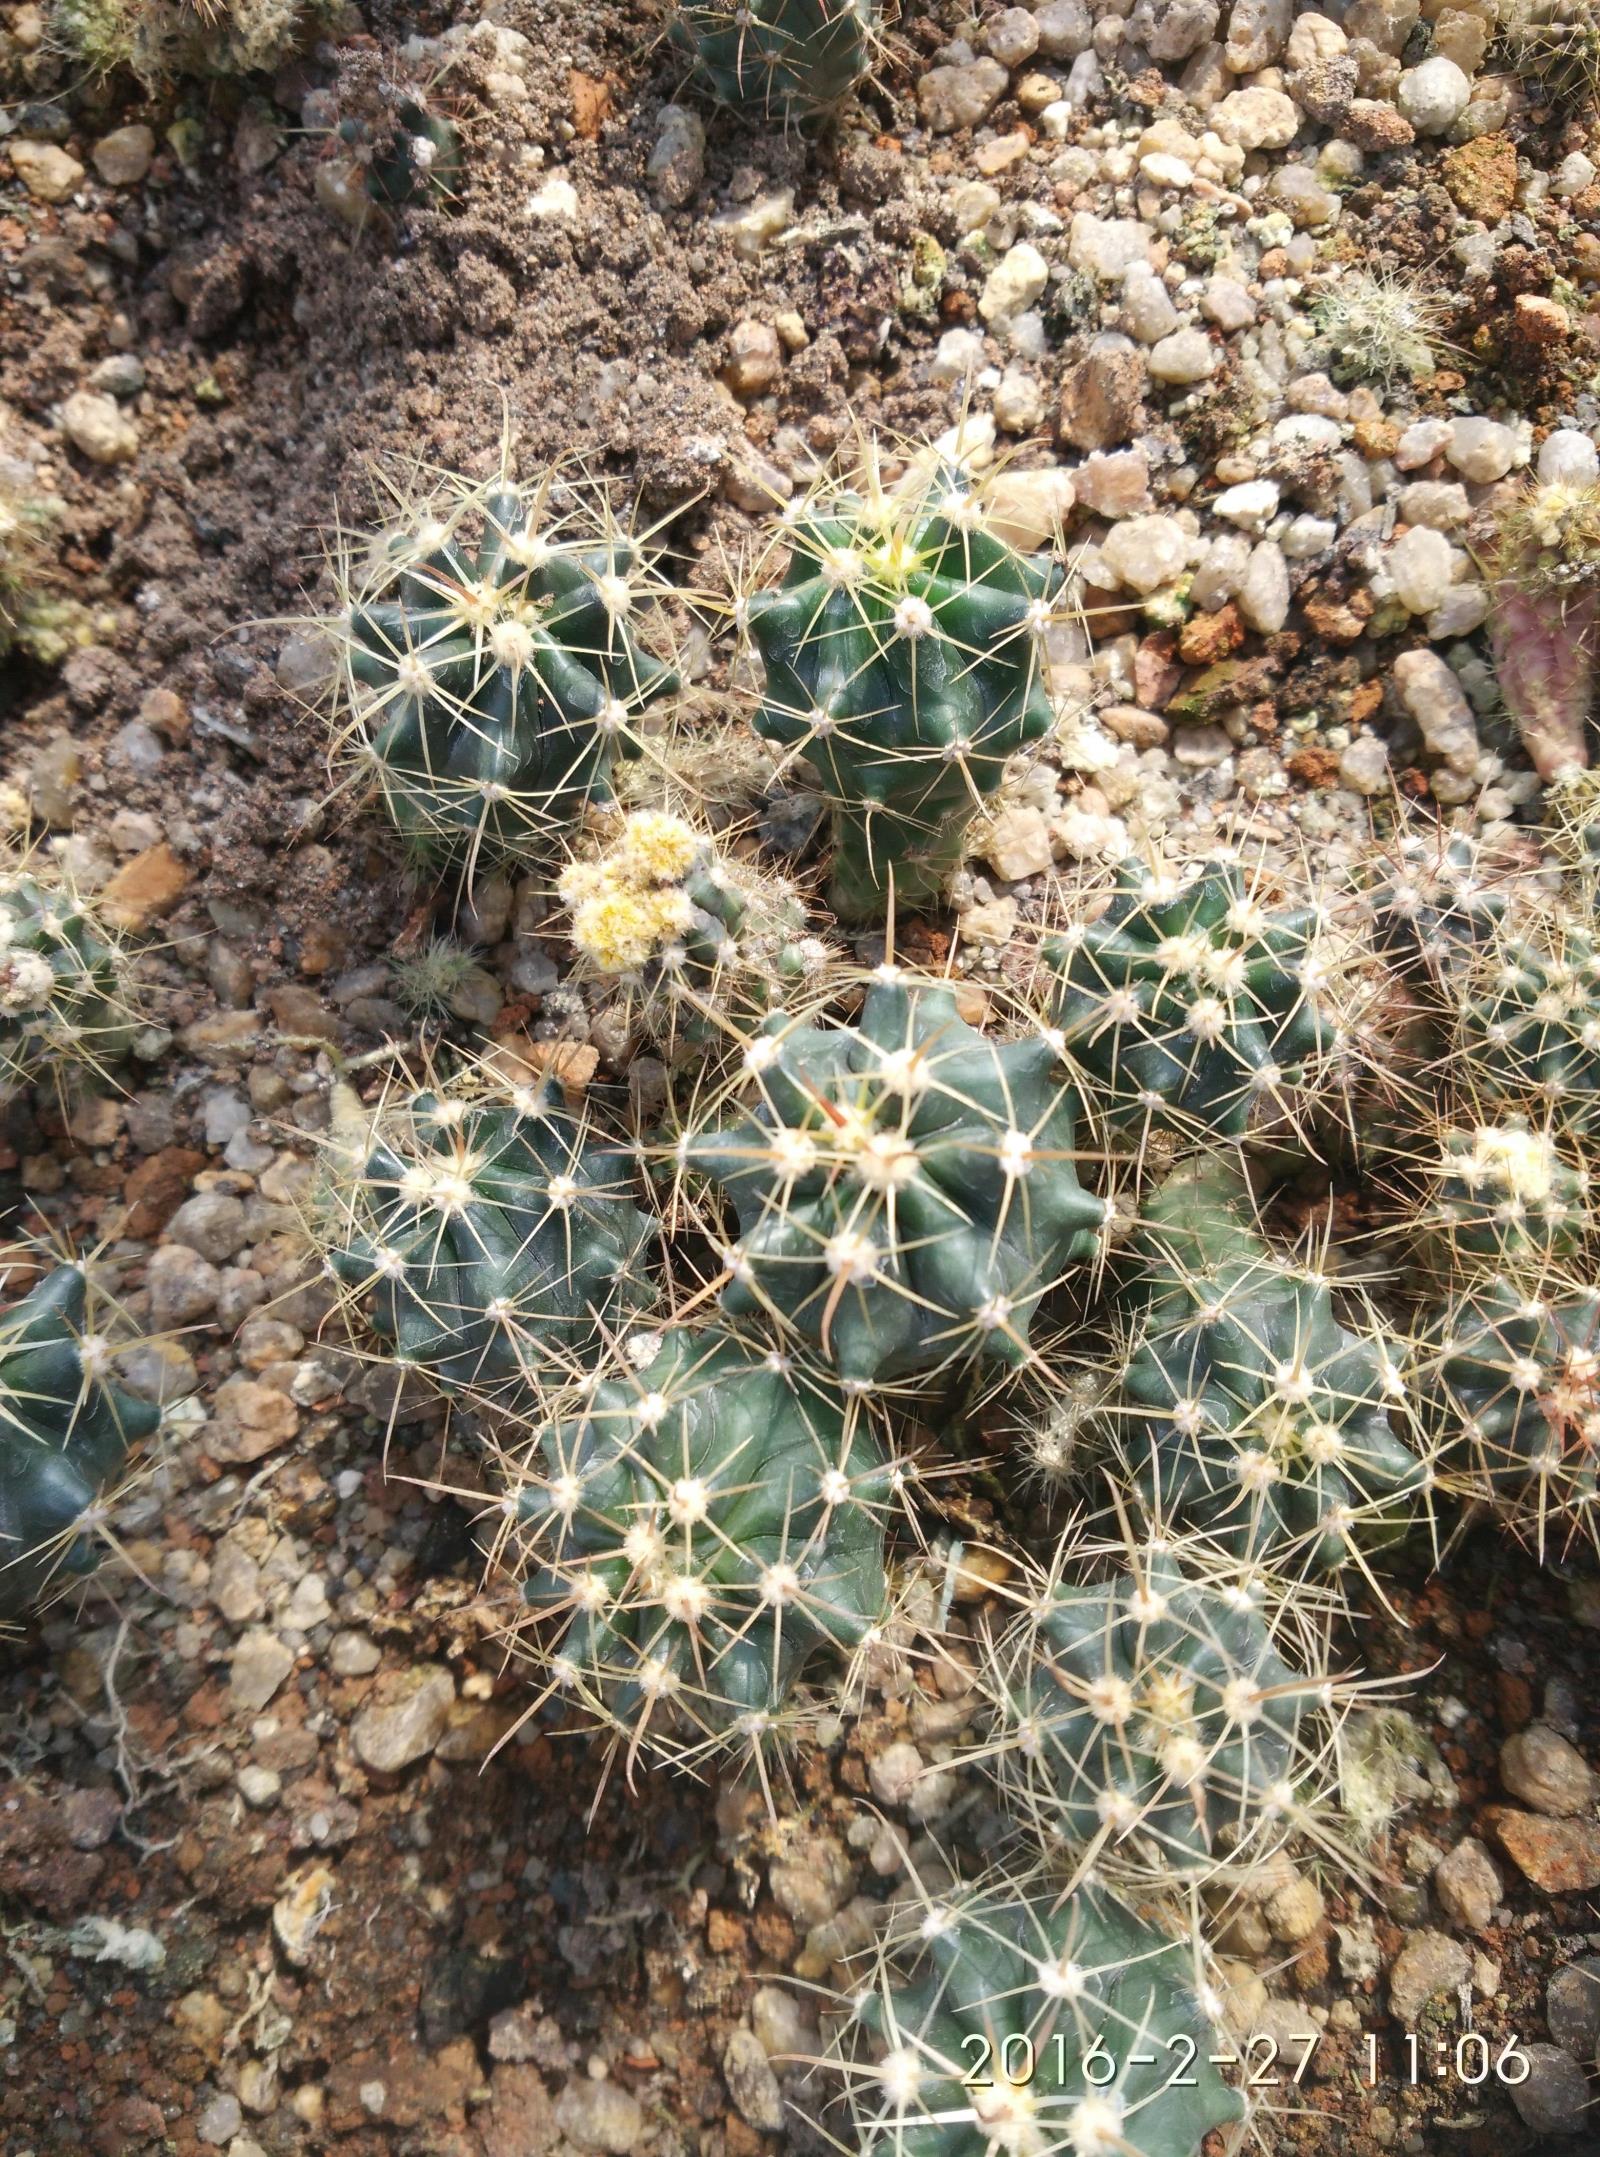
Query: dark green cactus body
[[423, 158], [706, 1521], [61, 992], [65, 1433], [491, 1241], [497, 687], [785, 59], [1153, 1718], [905, 1187], [1248, 1409], [1529, 1025], [1010, 2018], [902, 660], [1510, 1374], [1188, 1001], [1435, 903]]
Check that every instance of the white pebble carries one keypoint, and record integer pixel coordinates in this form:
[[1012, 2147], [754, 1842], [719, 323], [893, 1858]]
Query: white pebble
[[1433, 95], [1568, 459], [1227, 303], [1481, 449], [1303, 538], [1421, 442], [1264, 595], [1147, 309], [1433, 697], [1014, 283], [1251, 505], [1420, 564], [1105, 246], [1465, 607], [1185, 356], [1146, 552]]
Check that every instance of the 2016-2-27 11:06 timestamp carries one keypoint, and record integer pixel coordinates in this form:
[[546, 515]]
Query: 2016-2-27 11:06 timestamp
[[1472, 2060]]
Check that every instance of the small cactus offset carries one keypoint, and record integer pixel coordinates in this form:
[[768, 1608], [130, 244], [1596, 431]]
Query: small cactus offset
[[902, 650], [1150, 1724], [1435, 900], [1502, 1197], [697, 939], [905, 1187], [1248, 1410], [491, 681], [490, 1240], [1191, 1001], [64, 1000], [1528, 1024], [1510, 1373], [65, 1434], [795, 60], [1004, 2017], [705, 1522]]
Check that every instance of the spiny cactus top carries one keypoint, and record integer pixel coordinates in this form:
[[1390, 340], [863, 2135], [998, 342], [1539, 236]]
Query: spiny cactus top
[[62, 995], [492, 685], [1004, 2018], [708, 1517], [905, 1187], [1528, 1024], [1503, 1196], [422, 157], [786, 59], [1247, 1407], [702, 936], [1436, 900], [65, 1432], [1153, 1719], [1511, 1373], [1190, 1000], [902, 655], [491, 1240]]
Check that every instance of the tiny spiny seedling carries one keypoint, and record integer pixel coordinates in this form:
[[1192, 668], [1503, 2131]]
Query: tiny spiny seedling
[[700, 1521], [490, 1238], [436, 981], [66, 1430], [492, 666], [1381, 327], [790, 60], [1192, 1000], [901, 645], [1510, 1374], [1248, 1408], [693, 939], [1002, 2018], [65, 1004], [905, 1187], [389, 143]]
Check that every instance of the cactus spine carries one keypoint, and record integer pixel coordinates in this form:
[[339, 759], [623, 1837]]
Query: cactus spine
[[786, 59]]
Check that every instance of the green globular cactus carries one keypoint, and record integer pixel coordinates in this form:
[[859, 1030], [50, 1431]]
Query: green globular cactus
[[1528, 1024], [697, 939], [1190, 1001], [778, 59], [65, 1435], [905, 1187], [902, 655], [1502, 1197], [489, 1241], [1005, 2017], [1510, 1374], [421, 158], [1248, 1410], [1434, 900], [63, 990], [491, 685], [705, 1522], [1151, 1722]]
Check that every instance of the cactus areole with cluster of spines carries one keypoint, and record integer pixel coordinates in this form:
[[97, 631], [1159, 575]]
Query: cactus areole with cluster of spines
[[494, 686], [903, 652], [1528, 1031], [1511, 1373], [1152, 1721], [62, 1000], [707, 1520], [1248, 1410], [1008, 2020], [905, 1187], [1435, 902], [491, 1240], [1190, 1000], [65, 1434], [795, 60]]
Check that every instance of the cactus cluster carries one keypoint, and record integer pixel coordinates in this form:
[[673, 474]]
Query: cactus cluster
[[1191, 1001], [901, 645], [66, 1430], [1005, 2016], [492, 669], [703, 1518], [905, 1187], [64, 997], [790, 60], [491, 1240], [696, 939]]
